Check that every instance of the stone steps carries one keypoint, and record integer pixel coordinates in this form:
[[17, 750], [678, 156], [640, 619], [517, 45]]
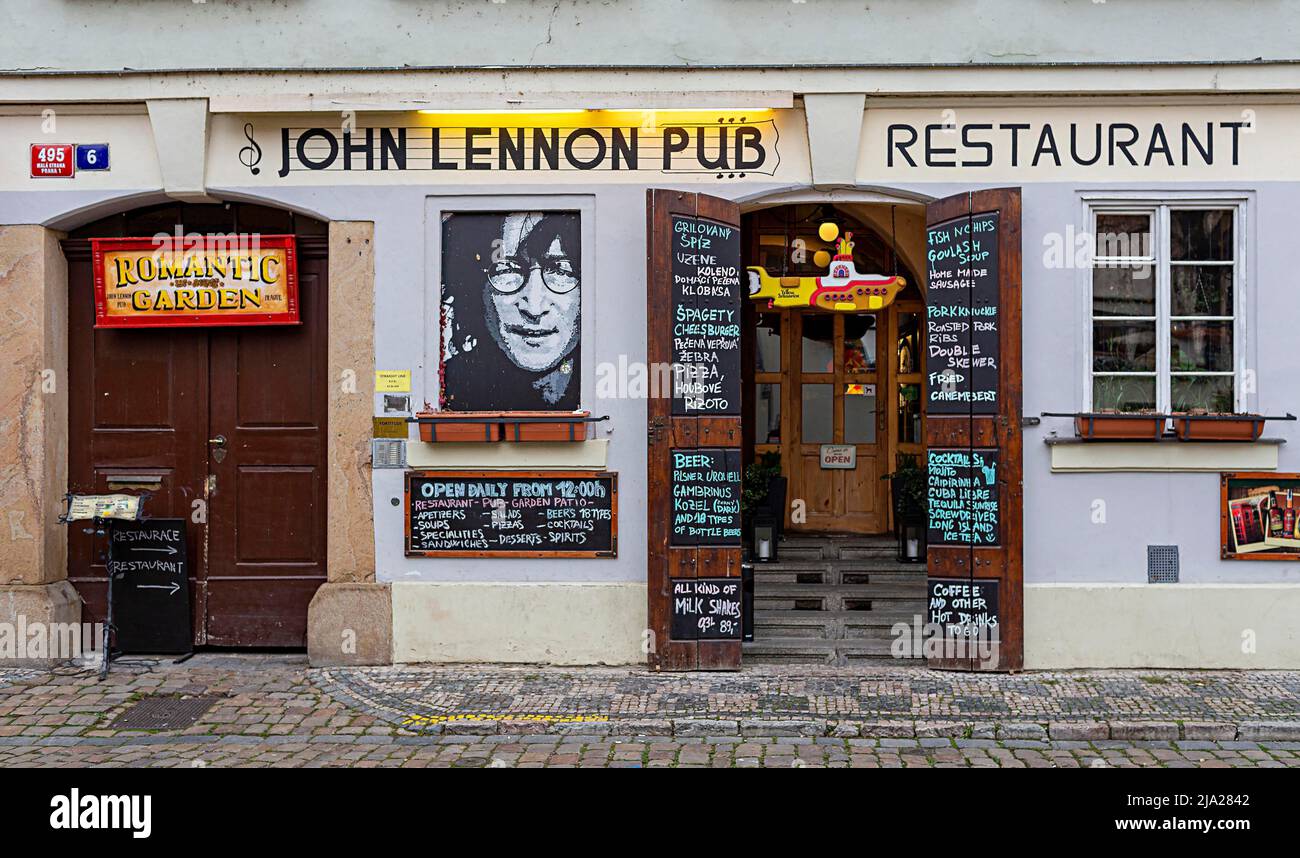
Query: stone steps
[[832, 600]]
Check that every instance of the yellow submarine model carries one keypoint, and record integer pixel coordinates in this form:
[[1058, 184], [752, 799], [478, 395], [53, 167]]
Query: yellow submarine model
[[842, 290]]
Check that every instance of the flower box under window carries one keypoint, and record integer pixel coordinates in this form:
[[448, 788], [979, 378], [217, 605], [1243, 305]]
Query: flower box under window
[[491, 426]]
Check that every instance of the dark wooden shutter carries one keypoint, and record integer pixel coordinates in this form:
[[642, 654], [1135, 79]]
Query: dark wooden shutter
[[983, 425], [668, 432]]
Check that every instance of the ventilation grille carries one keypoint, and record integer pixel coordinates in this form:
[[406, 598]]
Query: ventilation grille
[[387, 453], [1162, 564]]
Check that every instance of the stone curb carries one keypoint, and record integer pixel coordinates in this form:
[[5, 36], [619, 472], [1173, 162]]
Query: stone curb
[[1002, 731]]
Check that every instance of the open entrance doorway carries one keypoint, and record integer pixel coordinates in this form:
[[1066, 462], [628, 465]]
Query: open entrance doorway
[[835, 395]]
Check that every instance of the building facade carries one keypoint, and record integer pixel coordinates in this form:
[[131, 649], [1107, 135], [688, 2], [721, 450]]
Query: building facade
[[1078, 212]]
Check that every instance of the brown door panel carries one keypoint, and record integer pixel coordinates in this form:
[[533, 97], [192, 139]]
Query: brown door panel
[[270, 612], [147, 402]]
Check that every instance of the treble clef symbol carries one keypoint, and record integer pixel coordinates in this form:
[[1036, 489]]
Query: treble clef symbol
[[251, 155]]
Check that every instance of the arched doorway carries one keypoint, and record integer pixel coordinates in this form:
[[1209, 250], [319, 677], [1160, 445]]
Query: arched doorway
[[223, 427], [848, 380]]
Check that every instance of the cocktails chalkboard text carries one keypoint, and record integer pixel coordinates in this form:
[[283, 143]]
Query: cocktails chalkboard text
[[962, 494]]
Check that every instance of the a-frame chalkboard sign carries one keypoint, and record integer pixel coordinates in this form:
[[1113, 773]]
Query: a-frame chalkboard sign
[[693, 464], [973, 428]]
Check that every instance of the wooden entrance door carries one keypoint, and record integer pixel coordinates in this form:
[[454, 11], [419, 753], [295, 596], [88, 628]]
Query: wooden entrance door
[[146, 410], [973, 407], [686, 553], [832, 396]]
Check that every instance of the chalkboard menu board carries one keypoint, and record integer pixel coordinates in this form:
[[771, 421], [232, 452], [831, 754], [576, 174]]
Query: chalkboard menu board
[[511, 514], [963, 316], [706, 272], [962, 495], [964, 607], [151, 593], [706, 497], [706, 609]]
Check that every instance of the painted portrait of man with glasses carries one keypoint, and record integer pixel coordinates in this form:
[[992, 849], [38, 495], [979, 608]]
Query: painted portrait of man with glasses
[[511, 311]]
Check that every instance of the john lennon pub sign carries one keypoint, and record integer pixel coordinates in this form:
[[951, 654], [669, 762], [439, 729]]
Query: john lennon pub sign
[[727, 145]]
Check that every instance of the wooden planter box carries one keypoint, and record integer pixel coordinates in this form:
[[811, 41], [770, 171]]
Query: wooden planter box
[[1235, 427], [465, 426], [1119, 427], [573, 429]]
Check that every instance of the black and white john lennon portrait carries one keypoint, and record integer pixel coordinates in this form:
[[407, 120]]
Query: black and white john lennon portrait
[[511, 311]]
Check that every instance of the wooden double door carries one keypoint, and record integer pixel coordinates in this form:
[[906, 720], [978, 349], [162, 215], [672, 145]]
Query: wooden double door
[[221, 427], [821, 379]]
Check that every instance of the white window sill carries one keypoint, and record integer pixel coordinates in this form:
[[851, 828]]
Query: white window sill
[[1074, 455]]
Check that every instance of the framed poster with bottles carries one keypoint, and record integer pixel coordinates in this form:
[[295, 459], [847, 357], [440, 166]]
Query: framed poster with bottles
[[1259, 516]]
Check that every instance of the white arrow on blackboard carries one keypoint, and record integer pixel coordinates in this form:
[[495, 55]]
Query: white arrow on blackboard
[[173, 587], [170, 549]]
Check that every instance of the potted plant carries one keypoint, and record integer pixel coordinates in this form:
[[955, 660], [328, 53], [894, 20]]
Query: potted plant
[[909, 493]]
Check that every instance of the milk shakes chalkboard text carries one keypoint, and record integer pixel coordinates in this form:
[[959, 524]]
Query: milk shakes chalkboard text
[[706, 609], [962, 496], [706, 497], [486, 514], [962, 316], [706, 317]]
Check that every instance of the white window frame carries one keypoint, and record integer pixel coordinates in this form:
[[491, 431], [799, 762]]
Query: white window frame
[[1158, 206]]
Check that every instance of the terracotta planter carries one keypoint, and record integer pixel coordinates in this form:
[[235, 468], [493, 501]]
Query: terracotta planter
[[460, 426], [574, 429], [1119, 427], [1234, 427]]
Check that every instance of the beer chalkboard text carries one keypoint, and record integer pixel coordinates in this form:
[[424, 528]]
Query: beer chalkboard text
[[511, 514], [705, 487]]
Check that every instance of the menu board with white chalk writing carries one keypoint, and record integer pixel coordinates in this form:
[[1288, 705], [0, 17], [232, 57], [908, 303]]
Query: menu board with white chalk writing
[[706, 317], [151, 593], [706, 609], [963, 324], [962, 496], [964, 607], [511, 514], [705, 484]]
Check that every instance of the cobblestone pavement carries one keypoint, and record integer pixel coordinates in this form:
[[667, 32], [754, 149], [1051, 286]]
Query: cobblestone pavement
[[837, 693], [275, 711]]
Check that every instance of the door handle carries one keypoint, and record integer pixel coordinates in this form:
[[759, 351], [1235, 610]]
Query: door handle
[[219, 441], [219, 448]]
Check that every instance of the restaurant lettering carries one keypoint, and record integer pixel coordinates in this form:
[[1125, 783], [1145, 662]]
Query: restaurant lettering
[[1049, 144]]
